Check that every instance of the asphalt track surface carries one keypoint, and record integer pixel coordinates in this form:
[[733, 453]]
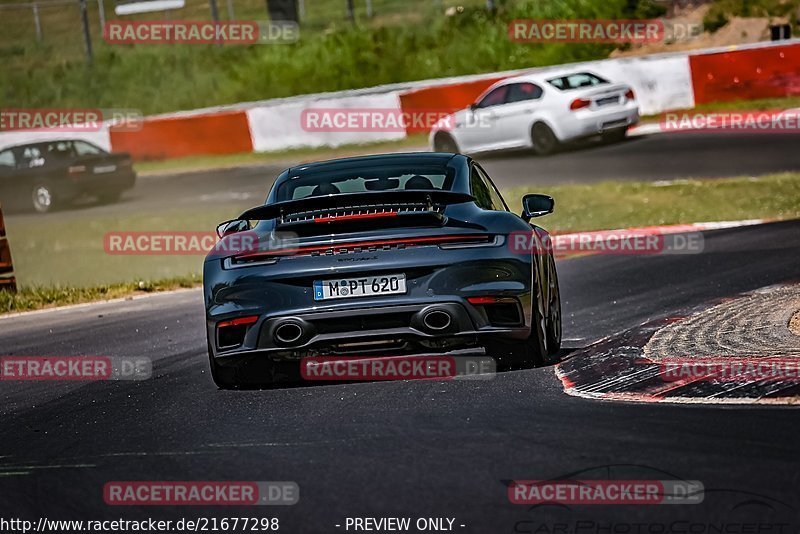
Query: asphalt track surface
[[653, 157], [408, 449]]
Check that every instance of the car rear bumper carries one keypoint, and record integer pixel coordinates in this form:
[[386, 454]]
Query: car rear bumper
[[380, 330], [103, 183], [590, 122], [272, 296]]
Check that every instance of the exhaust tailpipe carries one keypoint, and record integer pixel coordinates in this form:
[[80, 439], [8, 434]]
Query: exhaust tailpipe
[[288, 333], [437, 320]]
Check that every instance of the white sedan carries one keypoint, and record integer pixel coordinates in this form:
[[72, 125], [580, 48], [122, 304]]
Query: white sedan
[[539, 111]]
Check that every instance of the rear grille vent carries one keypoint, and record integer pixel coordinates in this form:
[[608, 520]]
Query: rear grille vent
[[355, 213], [451, 241]]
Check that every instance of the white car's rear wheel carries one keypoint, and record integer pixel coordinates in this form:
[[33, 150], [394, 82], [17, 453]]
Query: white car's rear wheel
[[444, 142], [544, 140]]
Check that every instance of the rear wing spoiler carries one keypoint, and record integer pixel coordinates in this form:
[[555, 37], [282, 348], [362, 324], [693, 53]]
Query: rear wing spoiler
[[278, 210]]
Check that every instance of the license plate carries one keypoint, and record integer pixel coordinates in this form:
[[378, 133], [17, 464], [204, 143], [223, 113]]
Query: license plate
[[608, 100], [368, 286], [103, 170]]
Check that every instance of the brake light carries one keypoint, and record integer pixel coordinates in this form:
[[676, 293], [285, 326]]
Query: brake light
[[231, 333], [630, 95], [499, 311], [483, 301], [241, 321], [580, 103]]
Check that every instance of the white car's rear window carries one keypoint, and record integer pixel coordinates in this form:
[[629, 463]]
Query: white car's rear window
[[576, 81]]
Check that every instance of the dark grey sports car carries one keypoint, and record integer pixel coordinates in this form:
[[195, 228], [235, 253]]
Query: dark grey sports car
[[377, 256]]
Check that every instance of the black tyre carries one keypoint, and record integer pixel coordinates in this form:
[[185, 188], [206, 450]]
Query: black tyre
[[545, 337], [444, 142], [223, 377], [536, 349], [554, 311], [544, 140], [43, 196], [253, 374]]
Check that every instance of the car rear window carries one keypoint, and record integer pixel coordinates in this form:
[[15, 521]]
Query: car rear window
[[369, 179], [576, 81]]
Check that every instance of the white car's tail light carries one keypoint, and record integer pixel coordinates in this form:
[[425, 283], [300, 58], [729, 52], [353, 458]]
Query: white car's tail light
[[580, 103], [630, 95]]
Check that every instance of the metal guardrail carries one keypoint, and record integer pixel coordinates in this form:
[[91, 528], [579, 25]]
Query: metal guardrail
[[8, 281]]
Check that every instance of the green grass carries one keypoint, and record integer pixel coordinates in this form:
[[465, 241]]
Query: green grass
[[161, 78], [67, 249], [618, 204], [35, 298], [721, 11]]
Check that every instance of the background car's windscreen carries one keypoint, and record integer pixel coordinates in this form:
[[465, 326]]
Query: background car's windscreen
[[366, 179], [575, 81]]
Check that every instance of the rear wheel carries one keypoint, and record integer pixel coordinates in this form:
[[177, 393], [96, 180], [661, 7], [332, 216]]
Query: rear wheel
[[43, 196], [444, 142], [251, 374], [545, 337], [554, 311], [544, 140], [223, 377]]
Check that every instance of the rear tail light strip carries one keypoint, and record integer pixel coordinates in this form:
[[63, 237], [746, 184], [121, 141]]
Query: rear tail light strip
[[445, 242], [241, 321], [232, 333], [484, 301]]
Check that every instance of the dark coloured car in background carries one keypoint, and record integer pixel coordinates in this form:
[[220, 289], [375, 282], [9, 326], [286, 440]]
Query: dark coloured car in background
[[378, 256], [50, 174]]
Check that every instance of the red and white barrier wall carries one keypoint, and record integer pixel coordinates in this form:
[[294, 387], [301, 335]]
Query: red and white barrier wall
[[761, 72], [279, 126], [661, 82]]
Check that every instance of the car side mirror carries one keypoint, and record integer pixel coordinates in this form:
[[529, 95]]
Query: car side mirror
[[536, 206], [232, 227], [473, 106]]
